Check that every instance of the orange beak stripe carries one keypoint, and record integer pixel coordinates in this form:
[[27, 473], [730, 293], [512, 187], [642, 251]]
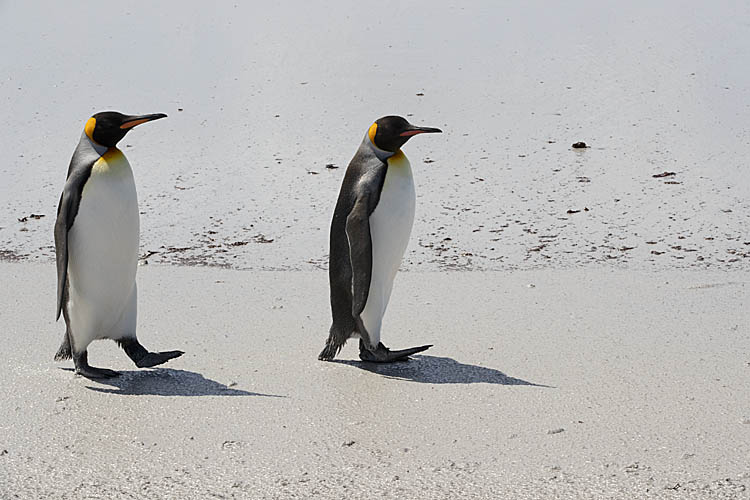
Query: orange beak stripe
[[411, 132], [134, 123]]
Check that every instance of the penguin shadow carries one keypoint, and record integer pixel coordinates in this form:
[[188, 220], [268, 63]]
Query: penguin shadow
[[168, 382], [438, 370]]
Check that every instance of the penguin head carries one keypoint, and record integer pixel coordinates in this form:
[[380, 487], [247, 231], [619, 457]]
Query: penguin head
[[391, 132], [108, 127]]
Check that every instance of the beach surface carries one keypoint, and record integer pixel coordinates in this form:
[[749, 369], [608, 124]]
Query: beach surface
[[579, 384], [588, 307], [267, 106]]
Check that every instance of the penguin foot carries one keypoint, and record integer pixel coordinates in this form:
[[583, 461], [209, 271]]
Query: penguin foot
[[93, 372], [142, 357], [83, 368], [156, 358], [384, 355]]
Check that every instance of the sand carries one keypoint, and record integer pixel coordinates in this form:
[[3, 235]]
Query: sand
[[589, 307], [261, 99], [589, 383]]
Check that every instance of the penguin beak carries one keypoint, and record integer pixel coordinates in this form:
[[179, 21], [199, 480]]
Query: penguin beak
[[133, 121], [420, 130]]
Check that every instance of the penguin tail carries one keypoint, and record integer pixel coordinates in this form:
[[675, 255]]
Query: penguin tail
[[330, 351], [64, 352]]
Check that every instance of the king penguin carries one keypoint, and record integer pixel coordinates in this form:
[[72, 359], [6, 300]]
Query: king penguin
[[96, 243], [369, 233]]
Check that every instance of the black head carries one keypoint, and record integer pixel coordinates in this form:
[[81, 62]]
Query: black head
[[391, 132], [108, 127]]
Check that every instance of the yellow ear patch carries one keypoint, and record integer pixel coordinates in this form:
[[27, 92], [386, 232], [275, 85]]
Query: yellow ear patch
[[89, 128], [371, 133]]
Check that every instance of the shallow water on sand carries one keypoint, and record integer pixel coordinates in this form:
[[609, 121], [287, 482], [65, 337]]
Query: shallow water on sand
[[262, 101]]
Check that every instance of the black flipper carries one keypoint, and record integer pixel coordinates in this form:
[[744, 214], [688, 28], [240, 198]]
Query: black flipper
[[384, 355], [79, 172], [84, 369], [360, 253], [142, 357], [61, 247]]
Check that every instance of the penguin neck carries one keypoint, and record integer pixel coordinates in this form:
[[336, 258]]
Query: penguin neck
[[381, 154], [100, 150]]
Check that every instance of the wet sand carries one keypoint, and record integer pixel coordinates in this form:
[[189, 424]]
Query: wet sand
[[261, 100], [593, 383]]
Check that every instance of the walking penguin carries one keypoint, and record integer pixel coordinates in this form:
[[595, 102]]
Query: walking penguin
[[96, 243], [369, 234]]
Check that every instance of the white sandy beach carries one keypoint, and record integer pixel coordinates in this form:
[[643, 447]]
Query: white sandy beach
[[588, 384], [589, 308]]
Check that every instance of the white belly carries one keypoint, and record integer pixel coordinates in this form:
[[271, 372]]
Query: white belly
[[103, 250], [390, 228]]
